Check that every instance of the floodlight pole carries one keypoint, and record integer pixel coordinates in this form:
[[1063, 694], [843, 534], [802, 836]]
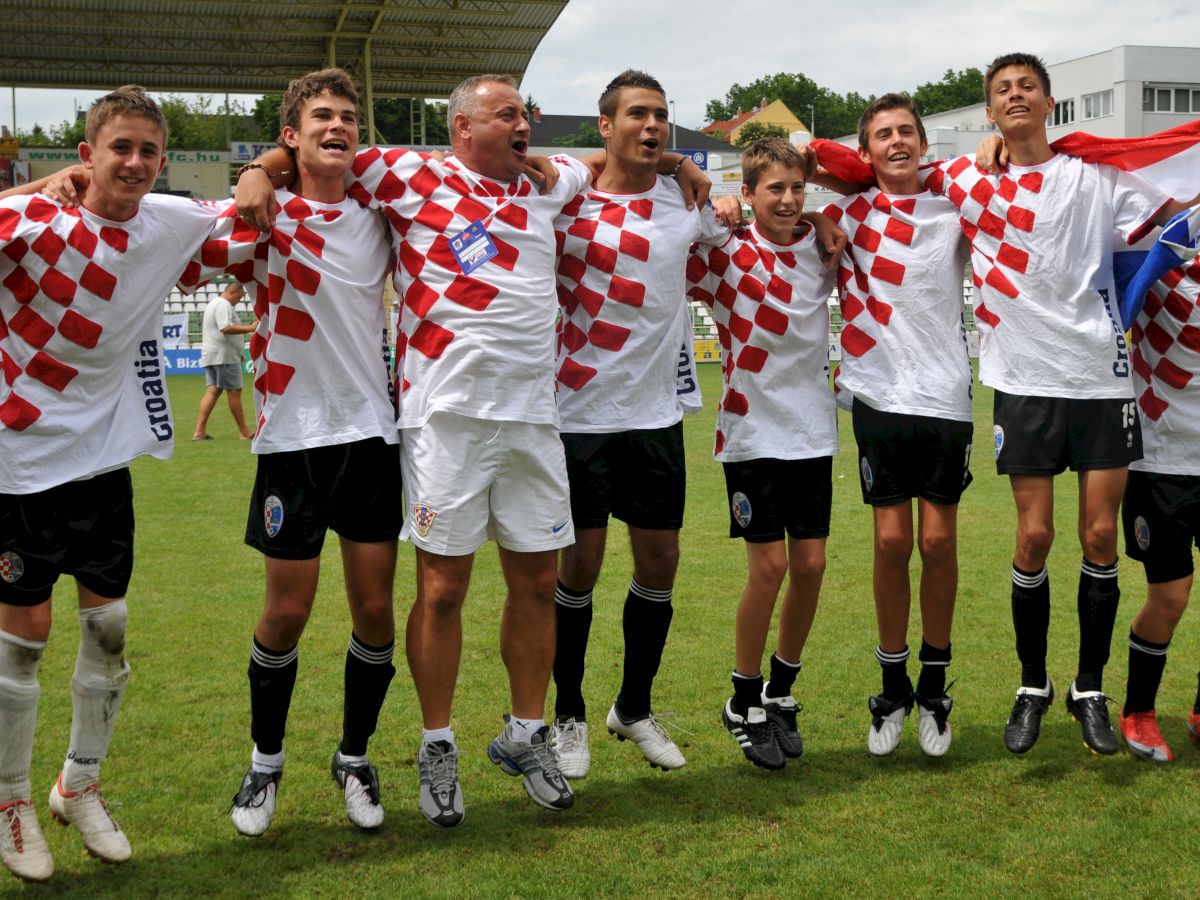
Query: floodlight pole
[[812, 120]]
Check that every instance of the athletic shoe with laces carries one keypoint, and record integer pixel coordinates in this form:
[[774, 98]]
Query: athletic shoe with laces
[[536, 763], [360, 789], [569, 740], [781, 716], [933, 724], [440, 798], [1090, 710], [1142, 737], [1193, 725], [88, 813], [23, 849], [652, 739], [1025, 722], [754, 735], [254, 804], [887, 721]]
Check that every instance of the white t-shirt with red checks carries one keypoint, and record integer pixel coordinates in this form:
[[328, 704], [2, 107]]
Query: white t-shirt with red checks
[[479, 344], [904, 344], [770, 303], [320, 353], [1041, 247], [1166, 371], [81, 305], [621, 283]]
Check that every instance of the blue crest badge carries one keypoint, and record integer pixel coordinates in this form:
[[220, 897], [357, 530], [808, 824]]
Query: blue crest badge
[[998, 439], [868, 476], [273, 515], [12, 566], [740, 505], [1141, 531]]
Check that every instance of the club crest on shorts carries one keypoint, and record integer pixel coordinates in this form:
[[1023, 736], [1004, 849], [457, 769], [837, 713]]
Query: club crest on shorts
[[740, 505], [1141, 531], [868, 476], [998, 439], [422, 517], [273, 515], [12, 566]]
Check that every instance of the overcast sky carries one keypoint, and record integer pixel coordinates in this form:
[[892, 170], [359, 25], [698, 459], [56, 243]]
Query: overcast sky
[[698, 48]]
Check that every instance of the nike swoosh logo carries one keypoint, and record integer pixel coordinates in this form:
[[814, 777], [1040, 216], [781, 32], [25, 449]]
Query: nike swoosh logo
[[555, 529]]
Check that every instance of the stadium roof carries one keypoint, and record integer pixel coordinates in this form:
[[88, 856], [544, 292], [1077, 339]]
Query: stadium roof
[[411, 48]]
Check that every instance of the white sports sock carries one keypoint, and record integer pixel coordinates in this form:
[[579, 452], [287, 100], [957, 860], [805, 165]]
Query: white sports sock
[[97, 687], [524, 729], [266, 763], [345, 760], [429, 735], [19, 690]]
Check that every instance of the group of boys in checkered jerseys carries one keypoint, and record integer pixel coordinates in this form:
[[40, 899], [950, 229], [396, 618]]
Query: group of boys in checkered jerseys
[[533, 395]]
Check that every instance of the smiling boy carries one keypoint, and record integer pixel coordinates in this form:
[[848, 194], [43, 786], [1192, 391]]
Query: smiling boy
[[326, 438], [776, 435], [83, 394], [1053, 348], [905, 364]]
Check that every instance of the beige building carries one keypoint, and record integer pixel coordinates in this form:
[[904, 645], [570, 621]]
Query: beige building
[[774, 113]]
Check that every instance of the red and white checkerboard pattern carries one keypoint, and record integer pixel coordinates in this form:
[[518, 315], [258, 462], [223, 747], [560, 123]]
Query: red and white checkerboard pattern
[[44, 280], [770, 303], [1166, 360], [320, 360], [81, 303], [621, 286], [903, 340], [1041, 248], [480, 344]]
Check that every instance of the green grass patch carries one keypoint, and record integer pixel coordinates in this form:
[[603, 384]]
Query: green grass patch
[[978, 822]]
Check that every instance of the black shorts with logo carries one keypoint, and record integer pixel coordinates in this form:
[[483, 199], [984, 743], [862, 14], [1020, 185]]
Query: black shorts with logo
[[636, 476], [771, 497], [81, 528], [902, 456], [1048, 435], [354, 489], [1161, 518]]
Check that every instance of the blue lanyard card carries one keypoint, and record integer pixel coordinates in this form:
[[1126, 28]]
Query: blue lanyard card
[[472, 247]]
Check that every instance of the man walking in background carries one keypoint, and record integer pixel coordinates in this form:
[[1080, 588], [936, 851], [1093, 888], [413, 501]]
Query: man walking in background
[[221, 358]]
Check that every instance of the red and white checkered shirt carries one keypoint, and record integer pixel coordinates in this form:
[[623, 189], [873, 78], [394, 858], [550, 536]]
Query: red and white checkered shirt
[[1041, 247], [771, 306], [320, 353], [904, 344], [479, 344], [1166, 361], [81, 306], [621, 284]]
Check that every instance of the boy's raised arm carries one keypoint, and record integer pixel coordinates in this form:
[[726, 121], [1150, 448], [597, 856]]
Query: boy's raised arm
[[256, 183]]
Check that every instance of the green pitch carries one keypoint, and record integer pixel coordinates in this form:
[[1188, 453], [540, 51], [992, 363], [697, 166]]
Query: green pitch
[[978, 822]]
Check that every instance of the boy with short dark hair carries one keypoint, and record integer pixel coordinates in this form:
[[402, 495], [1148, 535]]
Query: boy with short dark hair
[[623, 248], [326, 440], [776, 435], [905, 364], [83, 394], [1052, 346]]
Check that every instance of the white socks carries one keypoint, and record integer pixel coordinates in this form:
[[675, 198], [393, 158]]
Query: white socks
[[97, 688], [19, 692]]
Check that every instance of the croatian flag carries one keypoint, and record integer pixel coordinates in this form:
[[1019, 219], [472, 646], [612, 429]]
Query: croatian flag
[[1171, 161]]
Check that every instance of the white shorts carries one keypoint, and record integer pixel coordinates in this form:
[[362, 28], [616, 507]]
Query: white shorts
[[467, 480]]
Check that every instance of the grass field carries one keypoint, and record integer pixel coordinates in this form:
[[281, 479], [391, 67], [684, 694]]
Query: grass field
[[980, 822]]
